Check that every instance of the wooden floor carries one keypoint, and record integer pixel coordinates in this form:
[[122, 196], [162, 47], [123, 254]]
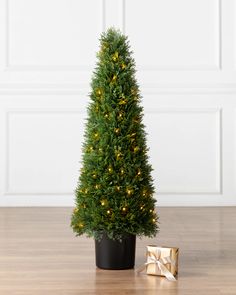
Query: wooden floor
[[39, 255]]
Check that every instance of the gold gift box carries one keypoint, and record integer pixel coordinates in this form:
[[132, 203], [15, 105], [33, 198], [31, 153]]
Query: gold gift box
[[168, 256]]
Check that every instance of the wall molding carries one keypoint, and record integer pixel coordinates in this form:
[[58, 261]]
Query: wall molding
[[146, 88]]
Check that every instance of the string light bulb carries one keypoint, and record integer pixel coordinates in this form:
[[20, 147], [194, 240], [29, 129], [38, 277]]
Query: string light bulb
[[117, 188], [122, 101], [108, 211], [123, 66], [136, 149], [114, 78], [118, 155], [120, 115], [117, 130], [129, 192], [110, 169], [99, 92], [124, 209], [115, 56]]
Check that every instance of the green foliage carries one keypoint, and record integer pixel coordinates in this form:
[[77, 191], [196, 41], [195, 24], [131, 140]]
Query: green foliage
[[115, 188]]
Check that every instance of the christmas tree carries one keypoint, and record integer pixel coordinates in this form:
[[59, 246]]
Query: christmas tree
[[115, 188]]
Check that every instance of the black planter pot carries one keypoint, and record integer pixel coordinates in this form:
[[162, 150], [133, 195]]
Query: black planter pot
[[112, 254]]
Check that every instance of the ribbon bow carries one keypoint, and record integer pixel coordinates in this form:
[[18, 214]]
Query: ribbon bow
[[153, 258]]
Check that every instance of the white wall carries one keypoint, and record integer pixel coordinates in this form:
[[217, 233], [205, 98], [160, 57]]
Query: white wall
[[186, 60]]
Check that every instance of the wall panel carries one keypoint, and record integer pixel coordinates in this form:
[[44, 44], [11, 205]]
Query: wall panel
[[186, 145], [42, 149]]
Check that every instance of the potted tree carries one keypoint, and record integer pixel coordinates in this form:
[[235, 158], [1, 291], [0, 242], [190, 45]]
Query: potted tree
[[114, 196]]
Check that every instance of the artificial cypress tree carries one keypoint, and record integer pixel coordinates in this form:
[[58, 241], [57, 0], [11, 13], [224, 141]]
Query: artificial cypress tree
[[115, 187]]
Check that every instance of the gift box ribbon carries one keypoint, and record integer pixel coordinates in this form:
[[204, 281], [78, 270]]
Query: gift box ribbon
[[160, 263]]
